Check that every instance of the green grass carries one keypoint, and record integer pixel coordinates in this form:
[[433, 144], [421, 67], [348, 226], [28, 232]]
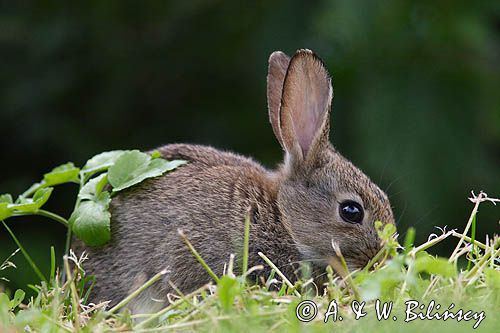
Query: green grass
[[469, 278]]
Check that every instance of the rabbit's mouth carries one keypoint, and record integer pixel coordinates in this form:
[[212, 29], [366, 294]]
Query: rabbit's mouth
[[344, 266], [343, 260], [348, 260], [359, 259]]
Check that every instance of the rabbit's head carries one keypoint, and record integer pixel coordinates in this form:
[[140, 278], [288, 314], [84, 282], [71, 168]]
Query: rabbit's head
[[323, 197]]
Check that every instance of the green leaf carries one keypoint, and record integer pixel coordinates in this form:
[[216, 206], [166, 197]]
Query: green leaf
[[132, 167], [4, 308], [6, 198], [227, 289], [18, 298], [102, 160], [90, 221], [93, 187], [388, 231], [126, 166], [62, 174], [433, 265], [5, 210], [409, 239], [171, 165], [32, 204], [381, 283]]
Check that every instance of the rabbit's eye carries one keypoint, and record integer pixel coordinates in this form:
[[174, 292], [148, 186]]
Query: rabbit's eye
[[351, 211]]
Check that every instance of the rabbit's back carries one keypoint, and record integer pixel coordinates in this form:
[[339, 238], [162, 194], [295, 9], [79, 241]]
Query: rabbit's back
[[208, 199]]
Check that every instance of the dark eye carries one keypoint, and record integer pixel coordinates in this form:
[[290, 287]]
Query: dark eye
[[352, 212]]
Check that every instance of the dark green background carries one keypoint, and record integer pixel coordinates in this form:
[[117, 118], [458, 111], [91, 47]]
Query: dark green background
[[416, 106]]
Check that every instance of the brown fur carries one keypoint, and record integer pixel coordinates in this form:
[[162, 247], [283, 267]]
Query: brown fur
[[294, 210]]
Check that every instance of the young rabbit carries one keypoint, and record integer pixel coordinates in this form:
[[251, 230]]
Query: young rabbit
[[314, 199]]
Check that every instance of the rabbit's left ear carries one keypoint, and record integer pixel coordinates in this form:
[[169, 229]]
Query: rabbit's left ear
[[305, 107]]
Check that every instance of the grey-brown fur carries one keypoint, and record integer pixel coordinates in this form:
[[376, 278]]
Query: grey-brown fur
[[294, 210]]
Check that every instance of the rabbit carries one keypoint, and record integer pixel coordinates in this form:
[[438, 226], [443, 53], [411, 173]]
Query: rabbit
[[314, 199]]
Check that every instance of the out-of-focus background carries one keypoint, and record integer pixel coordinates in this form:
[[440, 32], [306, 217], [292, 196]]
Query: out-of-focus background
[[416, 85]]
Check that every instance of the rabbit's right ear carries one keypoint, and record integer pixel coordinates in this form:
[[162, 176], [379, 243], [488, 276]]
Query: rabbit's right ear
[[278, 65], [305, 108]]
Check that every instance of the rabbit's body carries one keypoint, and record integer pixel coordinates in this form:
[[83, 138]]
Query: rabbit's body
[[315, 201], [147, 217]]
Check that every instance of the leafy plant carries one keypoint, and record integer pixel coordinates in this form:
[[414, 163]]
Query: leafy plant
[[90, 220]]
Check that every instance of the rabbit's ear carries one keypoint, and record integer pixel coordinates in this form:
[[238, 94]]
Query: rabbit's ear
[[305, 107], [278, 65]]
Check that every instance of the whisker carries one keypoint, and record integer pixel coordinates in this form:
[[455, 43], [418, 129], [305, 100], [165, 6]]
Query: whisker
[[402, 213], [423, 217], [363, 251], [398, 179], [391, 155], [397, 193]]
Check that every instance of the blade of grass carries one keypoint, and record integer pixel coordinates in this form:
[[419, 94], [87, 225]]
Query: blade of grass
[[477, 201], [139, 290], [52, 263], [430, 243], [281, 275], [197, 256], [74, 294], [246, 241], [469, 240], [168, 308], [25, 254], [253, 269], [344, 272], [409, 239], [479, 265], [7, 263], [89, 289], [375, 259], [270, 277], [196, 308], [473, 238]]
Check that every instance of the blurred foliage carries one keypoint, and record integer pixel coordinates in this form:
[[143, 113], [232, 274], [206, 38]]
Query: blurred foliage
[[416, 83]]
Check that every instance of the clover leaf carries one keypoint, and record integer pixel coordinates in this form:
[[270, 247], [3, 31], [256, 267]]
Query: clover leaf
[[91, 220], [102, 161], [32, 204], [62, 174], [5, 211], [132, 167], [93, 187]]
